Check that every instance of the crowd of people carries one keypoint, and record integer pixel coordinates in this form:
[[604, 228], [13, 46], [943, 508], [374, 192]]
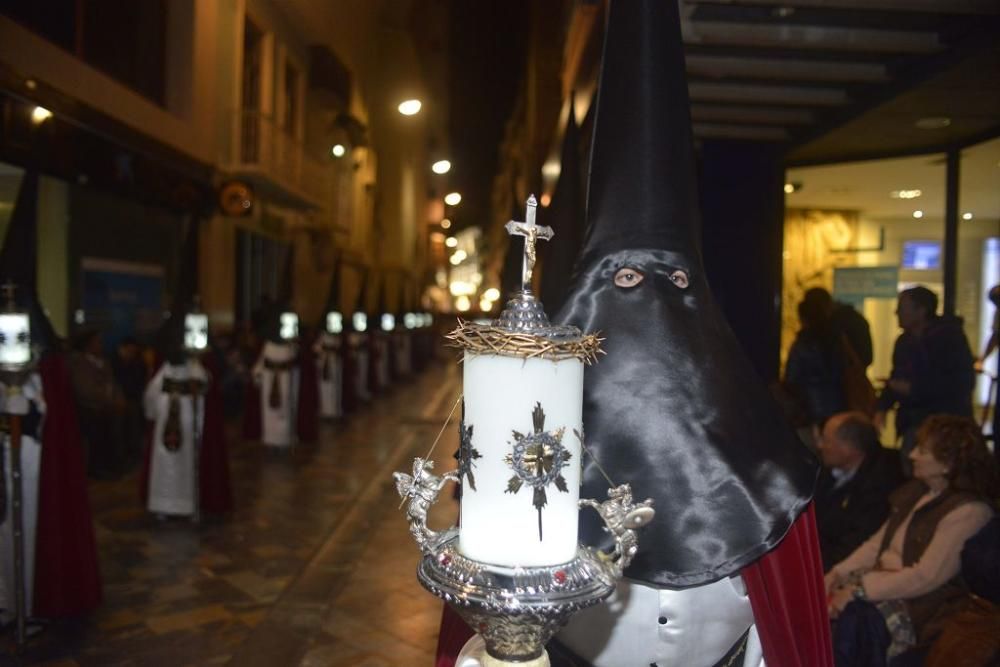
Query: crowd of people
[[908, 536]]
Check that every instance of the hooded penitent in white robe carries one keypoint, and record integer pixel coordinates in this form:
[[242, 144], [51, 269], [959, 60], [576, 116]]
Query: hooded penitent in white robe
[[277, 374], [31, 457], [175, 403], [330, 375], [361, 359]]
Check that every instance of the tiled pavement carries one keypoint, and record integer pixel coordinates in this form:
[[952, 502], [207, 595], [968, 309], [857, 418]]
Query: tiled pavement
[[315, 567]]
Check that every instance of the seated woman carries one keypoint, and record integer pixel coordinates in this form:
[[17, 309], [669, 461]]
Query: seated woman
[[894, 591]]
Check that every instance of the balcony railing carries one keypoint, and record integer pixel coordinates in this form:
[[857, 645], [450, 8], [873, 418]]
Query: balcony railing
[[266, 154]]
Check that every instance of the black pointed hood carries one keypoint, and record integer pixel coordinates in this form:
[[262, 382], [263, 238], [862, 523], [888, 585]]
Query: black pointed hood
[[510, 274], [333, 298], [675, 408], [642, 191], [170, 338], [19, 260], [565, 216]]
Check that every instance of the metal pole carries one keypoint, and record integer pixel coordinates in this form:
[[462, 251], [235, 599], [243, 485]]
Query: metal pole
[[17, 517], [196, 442]]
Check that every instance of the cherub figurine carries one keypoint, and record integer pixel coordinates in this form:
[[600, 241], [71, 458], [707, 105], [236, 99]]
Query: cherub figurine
[[422, 490], [622, 518]]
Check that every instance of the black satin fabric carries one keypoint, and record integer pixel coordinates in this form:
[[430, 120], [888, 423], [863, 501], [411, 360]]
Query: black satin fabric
[[676, 410]]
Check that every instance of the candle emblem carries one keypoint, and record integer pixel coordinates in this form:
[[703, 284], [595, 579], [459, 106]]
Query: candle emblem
[[537, 460]]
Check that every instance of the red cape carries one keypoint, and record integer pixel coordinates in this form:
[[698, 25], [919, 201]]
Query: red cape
[[214, 488], [67, 576], [786, 593]]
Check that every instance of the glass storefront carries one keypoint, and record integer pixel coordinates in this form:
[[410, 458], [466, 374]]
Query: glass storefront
[[866, 230]]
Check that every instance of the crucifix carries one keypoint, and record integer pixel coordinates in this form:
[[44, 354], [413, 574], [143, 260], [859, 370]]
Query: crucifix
[[531, 233]]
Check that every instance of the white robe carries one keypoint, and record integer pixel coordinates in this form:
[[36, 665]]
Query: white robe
[[173, 474], [31, 459], [361, 357], [331, 389], [401, 342], [278, 425], [642, 625]]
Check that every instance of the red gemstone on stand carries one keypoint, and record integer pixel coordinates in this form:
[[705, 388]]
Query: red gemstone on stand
[[560, 577]]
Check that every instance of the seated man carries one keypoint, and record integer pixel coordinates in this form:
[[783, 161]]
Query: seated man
[[852, 496]]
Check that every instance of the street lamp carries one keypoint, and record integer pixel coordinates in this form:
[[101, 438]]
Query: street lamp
[[409, 107]]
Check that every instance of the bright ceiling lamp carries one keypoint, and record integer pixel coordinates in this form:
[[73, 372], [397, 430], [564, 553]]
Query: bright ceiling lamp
[[409, 107], [441, 167]]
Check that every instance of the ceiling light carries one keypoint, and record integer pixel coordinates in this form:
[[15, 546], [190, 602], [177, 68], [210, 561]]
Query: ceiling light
[[441, 167], [452, 199], [451, 242], [338, 150], [918, 214], [39, 115], [492, 294], [446, 223], [967, 216], [905, 194], [932, 123], [409, 107]]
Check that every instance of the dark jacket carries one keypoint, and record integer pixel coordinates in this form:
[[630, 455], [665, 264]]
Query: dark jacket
[[814, 375], [848, 515], [938, 366]]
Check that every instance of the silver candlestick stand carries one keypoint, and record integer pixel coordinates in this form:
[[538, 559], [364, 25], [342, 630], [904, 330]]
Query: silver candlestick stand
[[517, 610]]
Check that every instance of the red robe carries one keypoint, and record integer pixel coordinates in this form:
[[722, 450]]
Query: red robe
[[214, 489], [67, 576], [786, 593]]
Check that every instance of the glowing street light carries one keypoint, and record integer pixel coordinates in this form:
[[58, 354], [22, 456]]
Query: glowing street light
[[338, 150], [39, 115], [409, 107], [451, 242], [441, 167], [452, 199]]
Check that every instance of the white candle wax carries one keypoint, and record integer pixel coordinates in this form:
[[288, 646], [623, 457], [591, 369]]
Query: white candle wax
[[497, 526]]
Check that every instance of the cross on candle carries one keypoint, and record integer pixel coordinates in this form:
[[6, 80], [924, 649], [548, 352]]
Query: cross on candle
[[531, 233]]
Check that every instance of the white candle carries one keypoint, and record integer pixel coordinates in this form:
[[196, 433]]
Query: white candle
[[502, 527]]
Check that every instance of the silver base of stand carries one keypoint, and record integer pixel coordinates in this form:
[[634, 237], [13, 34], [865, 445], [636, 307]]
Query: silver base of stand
[[515, 610]]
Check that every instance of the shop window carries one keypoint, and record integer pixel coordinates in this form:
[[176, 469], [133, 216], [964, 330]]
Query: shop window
[[979, 252]]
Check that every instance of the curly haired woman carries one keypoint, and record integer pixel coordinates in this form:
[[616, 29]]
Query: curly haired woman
[[894, 591]]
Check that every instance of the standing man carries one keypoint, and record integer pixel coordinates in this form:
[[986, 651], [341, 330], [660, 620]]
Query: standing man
[[852, 497], [932, 368]]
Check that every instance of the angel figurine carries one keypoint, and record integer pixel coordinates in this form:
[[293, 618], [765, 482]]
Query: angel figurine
[[622, 518], [421, 489]]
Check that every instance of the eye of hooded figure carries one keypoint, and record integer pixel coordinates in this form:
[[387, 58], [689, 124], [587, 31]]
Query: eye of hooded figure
[[628, 277], [679, 278]]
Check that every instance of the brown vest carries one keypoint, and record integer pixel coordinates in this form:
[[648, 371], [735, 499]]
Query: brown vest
[[926, 611]]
